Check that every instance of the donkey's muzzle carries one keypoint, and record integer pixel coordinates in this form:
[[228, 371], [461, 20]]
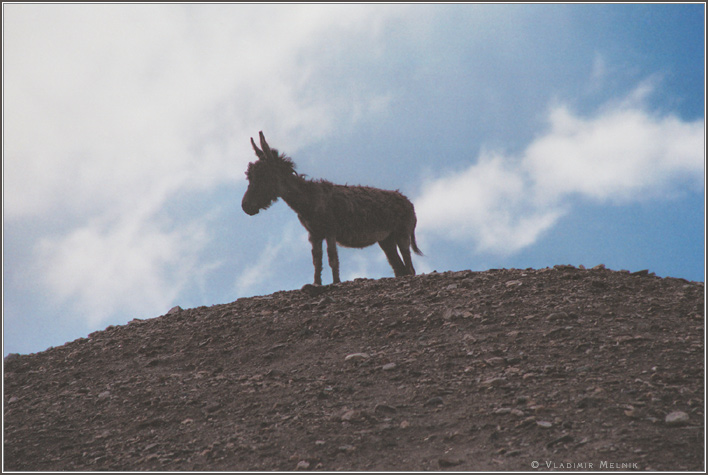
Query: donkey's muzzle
[[248, 207], [250, 211]]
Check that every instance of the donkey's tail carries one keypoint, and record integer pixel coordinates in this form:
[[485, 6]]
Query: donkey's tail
[[414, 246]]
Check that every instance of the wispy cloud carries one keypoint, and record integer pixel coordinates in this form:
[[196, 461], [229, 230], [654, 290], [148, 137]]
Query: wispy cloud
[[276, 257], [133, 267], [623, 154], [104, 101]]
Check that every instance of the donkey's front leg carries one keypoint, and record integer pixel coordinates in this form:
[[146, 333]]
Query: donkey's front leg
[[317, 258], [333, 258]]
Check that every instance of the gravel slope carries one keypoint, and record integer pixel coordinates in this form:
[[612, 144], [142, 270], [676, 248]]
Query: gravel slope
[[556, 368]]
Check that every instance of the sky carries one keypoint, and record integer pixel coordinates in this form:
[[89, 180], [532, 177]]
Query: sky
[[526, 135]]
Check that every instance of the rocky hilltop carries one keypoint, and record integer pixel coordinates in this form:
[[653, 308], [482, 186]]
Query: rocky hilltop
[[550, 369]]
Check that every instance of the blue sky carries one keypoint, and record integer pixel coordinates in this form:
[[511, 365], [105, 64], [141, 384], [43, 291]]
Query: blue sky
[[525, 135]]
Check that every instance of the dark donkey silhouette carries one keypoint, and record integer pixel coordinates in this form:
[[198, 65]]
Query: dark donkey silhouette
[[353, 216]]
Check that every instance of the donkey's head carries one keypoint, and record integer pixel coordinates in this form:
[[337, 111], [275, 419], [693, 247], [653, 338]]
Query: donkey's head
[[265, 177]]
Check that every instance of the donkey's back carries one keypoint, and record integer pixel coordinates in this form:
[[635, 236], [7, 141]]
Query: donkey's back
[[360, 216]]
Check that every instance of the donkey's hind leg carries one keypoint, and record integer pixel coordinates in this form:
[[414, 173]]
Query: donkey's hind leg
[[389, 248], [404, 245]]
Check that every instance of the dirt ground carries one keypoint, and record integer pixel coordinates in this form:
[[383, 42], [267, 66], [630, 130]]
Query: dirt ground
[[560, 368]]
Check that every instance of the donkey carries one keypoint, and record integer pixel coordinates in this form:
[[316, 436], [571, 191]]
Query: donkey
[[352, 216]]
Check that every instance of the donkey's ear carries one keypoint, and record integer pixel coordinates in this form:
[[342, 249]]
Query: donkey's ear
[[265, 147], [258, 151]]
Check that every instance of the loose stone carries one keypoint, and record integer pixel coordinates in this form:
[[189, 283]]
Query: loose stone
[[676, 418]]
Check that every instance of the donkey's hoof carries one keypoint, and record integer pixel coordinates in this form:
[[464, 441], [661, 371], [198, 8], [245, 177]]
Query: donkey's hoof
[[314, 290]]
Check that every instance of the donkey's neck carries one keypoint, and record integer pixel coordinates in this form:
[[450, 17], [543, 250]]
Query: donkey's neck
[[297, 194]]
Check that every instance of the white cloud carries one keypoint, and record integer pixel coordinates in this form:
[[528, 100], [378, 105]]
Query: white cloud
[[102, 101], [624, 154], [488, 203], [276, 257], [133, 267]]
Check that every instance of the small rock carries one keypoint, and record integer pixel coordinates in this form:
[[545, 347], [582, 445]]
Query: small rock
[[455, 313], [212, 407], [104, 395], [384, 408], [564, 267], [502, 410], [388, 366], [404, 424], [357, 356], [557, 316], [676, 418], [493, 382], [174, 310], [346, 448], [599, 267], [349, 415], [449, 462], [302, 465], [434, 401], [104, 435], [13, 399], [544, 424], [187, 421], [495, 361]]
